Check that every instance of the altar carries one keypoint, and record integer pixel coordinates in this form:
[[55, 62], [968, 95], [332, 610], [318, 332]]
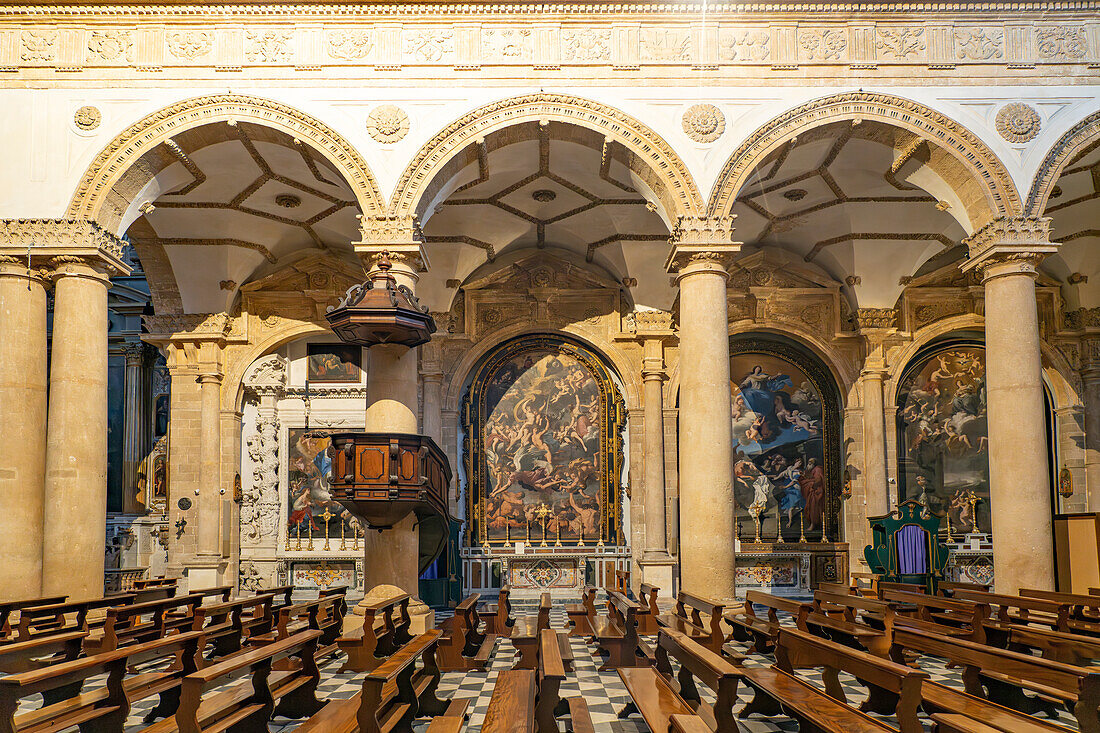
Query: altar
[[791, 569], [531, 571]]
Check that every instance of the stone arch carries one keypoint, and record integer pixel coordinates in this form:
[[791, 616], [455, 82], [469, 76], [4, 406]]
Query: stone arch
[[244, 356], [1082, 135], [993, 195], [95, 197], [640, 148], [625, 369]]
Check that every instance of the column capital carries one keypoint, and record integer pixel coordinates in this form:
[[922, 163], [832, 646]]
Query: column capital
[[653, 369], [188, 327], [14, 267], [210, 377], [60, 242], [702, 244], [1009, 246], [134, 352], [398, 238]]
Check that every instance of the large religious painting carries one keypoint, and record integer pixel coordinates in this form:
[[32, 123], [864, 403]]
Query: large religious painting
[[943, 446], [327, 363], [786, 442], [544, 446], [312, 513]]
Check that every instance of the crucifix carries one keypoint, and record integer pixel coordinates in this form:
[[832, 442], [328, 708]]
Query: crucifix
[[327, 515], [543, 512]]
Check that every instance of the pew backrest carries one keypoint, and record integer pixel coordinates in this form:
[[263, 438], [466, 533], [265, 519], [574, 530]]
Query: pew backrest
[[52, 619], [648, 595]]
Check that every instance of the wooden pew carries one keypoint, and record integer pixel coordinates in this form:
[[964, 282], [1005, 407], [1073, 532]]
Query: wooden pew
[[647, 597], [394, 693], [23, 656], [8, 608], [385, 629], [894, 689], [228, 626], [325, 614], [958, 723], [284, 595], [582, 615], [525, 634], [761, 633], [687, 618], [864, 584], [1000, 676], [687, 724], [463, 646], [498, 616], [653, 697], [1019, 610], [551, 673], [512, 707], [102, 708], [139, 622], [700, 663], [617, 634], [61, 618], [945, 616], [834, 617], [947, 588], [1074, 649], [882, 586], [1084, 609], [622, 582]]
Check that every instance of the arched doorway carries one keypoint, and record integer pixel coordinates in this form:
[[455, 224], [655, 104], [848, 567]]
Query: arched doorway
[[544, 454]]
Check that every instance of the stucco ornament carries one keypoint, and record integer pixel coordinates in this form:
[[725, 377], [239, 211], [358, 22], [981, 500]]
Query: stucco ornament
[[388, 123], [87, 117], [704, 123], [1017, 122]]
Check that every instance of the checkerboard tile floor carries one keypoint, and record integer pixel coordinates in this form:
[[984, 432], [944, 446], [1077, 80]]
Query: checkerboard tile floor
[[604, 691]]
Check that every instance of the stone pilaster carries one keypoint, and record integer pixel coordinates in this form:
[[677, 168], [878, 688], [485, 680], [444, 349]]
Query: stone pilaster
[[702, 251], [75, 487], [1006, 253], [875, 324], [1090, 378], [392, 556], [23, 415]]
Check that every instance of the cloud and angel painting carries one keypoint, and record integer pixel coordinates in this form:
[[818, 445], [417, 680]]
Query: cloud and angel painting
[[779, 447]]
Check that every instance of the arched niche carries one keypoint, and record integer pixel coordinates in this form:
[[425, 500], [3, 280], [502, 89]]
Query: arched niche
[[544, 419], [787, 440]]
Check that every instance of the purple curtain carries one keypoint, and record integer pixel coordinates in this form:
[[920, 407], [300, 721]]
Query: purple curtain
[[912, 544]]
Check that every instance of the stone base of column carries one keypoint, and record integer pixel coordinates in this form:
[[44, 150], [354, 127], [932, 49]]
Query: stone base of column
[[657, 570], [204, 572], [421, 618]]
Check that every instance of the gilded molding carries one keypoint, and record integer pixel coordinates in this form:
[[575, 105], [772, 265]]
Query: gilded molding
[[642, 143], [886, 108], [108, 167]]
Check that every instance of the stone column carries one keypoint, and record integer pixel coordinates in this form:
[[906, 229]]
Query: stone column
[[1006, 253], [203, 572], [392, 557], [874, 445], [133, 439], [656, 562], [23, 415], [701, 252], [431, 373], [76, 447], [1090, 376]]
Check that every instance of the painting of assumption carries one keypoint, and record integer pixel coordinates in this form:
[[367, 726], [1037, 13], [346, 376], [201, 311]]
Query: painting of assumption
[[943, 437], [779, 471], [309, 494], [542, 448], [333, 363]]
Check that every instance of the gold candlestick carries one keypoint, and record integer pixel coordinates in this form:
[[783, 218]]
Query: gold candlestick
[[543, 512], [343, 542], [287, 547], [327, 516], [801, 528], [298, 537], [755, 512], [557, 541], [309, 533], [355, 539]]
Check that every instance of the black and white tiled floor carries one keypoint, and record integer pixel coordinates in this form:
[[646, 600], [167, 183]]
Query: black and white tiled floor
[[604, 691]]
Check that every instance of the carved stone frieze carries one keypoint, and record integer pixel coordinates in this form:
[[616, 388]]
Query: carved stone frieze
[[388, 123], [260, 502], [649, 321], [39, 45], [109, 45], [1061, 42], [979, 44], [507, 45], [660, 44], [749, 45], [190, 45], [196, 326], [586, 44], [932, 312], [350, 45], [429, 46], [1082, 318], [900, 43], [271, 47], [823, 44], [51, 238]]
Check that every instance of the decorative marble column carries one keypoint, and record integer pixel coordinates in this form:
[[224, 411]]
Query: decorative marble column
[[23, 415], [654, 327], [1090, 377], [392, 557], [1006, 253], [702, 250], [133, 439], [76, 433]]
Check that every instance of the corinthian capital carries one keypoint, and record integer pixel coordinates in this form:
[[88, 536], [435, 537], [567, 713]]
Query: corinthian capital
[[398, 238], [705, 242], [62, 240], [1009, 245]]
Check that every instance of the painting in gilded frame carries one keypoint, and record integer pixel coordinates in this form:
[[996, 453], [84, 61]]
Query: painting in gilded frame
[[786, 442], [544, 429], [943, 444], [309, 494], [333, 363]]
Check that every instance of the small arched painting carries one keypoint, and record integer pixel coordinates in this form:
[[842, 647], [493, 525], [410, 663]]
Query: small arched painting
[[779, 469]]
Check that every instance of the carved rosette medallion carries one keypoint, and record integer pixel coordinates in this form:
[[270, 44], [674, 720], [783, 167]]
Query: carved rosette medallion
[[87, 117], [704, 123], [1018, 122], [388, 123]]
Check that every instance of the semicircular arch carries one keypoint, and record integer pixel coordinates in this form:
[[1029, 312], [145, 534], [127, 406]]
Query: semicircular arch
[[993, 196], [95, 197], [1072, 144], [642, 150]]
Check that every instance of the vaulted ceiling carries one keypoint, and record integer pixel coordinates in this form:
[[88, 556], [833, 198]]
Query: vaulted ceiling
[[1074, 205]]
